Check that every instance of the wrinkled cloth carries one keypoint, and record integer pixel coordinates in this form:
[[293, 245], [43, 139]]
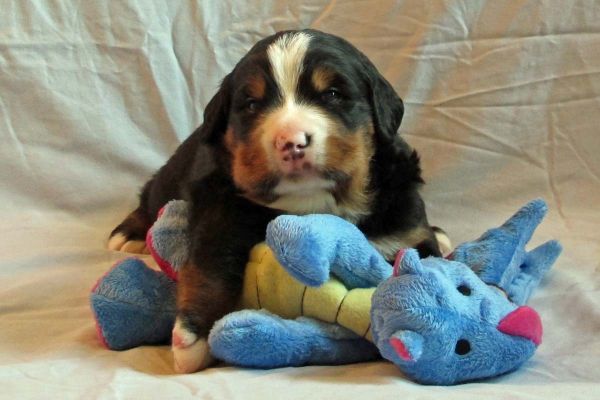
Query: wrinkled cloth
[[502, 102]]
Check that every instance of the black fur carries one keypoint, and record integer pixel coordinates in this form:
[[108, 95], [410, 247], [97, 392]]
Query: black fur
[[224, 225]]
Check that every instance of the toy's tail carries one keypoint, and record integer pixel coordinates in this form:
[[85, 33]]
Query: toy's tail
[[499, 256]]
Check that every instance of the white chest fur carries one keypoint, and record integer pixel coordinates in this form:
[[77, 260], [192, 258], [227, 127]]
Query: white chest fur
[[308, 196]]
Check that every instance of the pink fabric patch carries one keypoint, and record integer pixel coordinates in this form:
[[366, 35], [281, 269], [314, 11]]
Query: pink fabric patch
[[400, 349], [99, 333], [397, 261], [163, 264], [523, 322]]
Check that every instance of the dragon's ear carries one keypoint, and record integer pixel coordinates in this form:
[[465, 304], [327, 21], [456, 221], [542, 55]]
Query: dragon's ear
[[407, 262], [497, 247], [408, 345]]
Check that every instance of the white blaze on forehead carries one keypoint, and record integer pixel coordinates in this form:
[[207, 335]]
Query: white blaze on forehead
[[286, 56]]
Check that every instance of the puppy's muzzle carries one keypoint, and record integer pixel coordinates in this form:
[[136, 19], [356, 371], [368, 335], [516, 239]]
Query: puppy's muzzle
[[294, 151]]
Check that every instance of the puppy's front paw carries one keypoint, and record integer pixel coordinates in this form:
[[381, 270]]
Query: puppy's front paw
[[190, 353], [120, 242]]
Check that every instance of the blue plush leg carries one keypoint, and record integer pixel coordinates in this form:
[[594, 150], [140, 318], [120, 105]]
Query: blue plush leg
[[259, 339], [312, 246], [537, 262], [133, 305]]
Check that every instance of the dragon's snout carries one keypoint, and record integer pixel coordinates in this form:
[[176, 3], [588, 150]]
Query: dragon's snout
[[523, 322]]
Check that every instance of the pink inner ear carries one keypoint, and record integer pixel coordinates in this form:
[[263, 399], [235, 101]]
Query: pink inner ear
[[397, 261], [400, 349]]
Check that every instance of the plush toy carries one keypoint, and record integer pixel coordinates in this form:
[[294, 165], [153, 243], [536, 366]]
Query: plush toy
[[434, 318], [133, 305]]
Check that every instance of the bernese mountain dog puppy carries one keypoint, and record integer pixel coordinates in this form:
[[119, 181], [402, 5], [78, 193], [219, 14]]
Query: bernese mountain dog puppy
[[303, 124]]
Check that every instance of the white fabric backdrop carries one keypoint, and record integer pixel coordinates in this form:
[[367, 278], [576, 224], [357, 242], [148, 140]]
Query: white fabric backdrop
[[502, 102]]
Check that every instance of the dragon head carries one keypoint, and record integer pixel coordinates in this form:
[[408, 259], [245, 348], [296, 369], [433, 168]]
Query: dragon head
[[441, 324]]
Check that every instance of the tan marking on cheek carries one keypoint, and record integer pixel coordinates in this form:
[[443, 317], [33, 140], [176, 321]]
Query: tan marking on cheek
[[250, 165], [350, 153], [321, 78], [230, 140]]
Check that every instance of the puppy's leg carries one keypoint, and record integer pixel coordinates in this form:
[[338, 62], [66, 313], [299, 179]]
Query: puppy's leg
[[203, 297], [223, 227], [130, 235]]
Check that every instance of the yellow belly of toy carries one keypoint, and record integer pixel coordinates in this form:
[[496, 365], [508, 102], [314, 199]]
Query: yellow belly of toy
[[268, 286]]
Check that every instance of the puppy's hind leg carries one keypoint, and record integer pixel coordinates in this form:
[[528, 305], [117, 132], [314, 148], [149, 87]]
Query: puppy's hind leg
[[130, 235]]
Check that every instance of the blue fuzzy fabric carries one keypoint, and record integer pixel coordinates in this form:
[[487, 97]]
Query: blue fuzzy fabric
[[313, 246], [435, 306], [429, 311], [170, 240], [499, 256], [133, 305], [259, 339], [424, 302]]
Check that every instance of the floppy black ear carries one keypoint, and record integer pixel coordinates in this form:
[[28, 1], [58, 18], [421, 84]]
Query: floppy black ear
[[216, 114], [386, 105]]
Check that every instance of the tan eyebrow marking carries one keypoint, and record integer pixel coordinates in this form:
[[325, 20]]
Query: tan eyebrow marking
[[322, 78], [256, 87]]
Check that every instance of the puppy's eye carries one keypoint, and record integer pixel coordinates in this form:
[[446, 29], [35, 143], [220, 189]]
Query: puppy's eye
[[251, 105], [331, 94]]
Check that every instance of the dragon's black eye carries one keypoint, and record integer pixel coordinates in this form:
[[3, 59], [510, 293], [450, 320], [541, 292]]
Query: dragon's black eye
[[464, 290], [462, 347]]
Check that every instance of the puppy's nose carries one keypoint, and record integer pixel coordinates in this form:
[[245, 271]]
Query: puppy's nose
[[292, 145]]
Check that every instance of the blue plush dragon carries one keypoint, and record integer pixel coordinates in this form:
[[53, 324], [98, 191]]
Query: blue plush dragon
[[442, 321]]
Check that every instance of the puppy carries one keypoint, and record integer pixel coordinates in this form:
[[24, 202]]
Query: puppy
[[303, 124]]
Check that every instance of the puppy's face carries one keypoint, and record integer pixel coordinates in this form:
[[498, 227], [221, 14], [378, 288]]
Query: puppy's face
[[301, 124]]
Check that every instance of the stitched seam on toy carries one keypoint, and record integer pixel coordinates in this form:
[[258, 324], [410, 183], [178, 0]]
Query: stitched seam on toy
[[302, 301], [262, 257], [264, 254], [257, 291], [340, 308], [367, 331]]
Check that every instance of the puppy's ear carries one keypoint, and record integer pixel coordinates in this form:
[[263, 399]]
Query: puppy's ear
[[216, 114], [386, 105]]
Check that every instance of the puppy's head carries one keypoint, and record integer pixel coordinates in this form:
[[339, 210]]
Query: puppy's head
[[301, 116]]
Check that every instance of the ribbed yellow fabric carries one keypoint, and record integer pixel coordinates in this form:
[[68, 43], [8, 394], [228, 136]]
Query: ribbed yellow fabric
[[267, 285]]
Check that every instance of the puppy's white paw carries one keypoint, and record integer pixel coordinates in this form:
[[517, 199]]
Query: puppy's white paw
[[116, 241], [135, 246], [119, 242], [190, 353], [444, 243]]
